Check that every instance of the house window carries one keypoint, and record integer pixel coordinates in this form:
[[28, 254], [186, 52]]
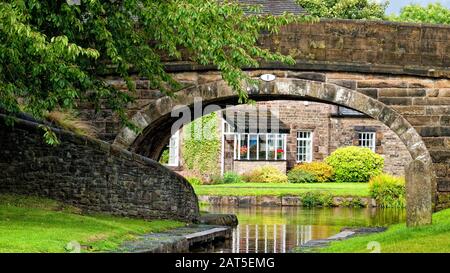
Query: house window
[[304, 146], [260, 146], [367, 140], [174, 149]]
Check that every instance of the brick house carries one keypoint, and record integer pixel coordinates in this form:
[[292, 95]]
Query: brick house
[[285, 133]]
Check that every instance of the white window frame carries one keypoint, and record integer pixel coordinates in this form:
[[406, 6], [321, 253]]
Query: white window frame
[[274, 137], [174, 150], [308, 147], [227, 128], [367, 140]]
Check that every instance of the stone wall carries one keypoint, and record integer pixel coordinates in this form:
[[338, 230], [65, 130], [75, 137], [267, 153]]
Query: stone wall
[[92, 175], [366, 46], [282, 201]]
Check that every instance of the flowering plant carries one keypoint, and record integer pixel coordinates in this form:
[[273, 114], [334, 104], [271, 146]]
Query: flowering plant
[[244, 149], [280, 153]]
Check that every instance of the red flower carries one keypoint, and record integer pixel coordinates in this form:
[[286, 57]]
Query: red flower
[[280, 151], [244, 149]]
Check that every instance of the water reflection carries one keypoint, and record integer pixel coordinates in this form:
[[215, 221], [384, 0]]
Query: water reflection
[[277, 230], [268, 238]]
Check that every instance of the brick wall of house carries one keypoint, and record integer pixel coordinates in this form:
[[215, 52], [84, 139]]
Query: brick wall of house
[[304, 116]]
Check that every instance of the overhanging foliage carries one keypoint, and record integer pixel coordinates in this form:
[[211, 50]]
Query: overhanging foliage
[[52, 54]]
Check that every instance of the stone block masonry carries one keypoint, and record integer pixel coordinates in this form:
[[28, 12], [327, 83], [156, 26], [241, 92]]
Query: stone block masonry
[[92, 175], [282, 201]]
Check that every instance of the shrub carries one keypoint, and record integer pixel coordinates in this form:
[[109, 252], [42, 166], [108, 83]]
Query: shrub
[[355, 164], [301, 176], [389, 191], [231, 177], [266, 174], [194, 180], [316, 199], [321, 170], [228, 178], [355, 202]]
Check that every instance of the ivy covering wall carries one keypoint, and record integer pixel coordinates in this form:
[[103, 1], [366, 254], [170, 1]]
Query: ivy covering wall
[[201, 146]]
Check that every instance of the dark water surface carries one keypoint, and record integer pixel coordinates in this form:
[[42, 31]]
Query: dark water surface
[[269, 230]]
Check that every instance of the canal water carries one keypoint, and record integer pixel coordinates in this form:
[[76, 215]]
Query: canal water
[[278, 230]]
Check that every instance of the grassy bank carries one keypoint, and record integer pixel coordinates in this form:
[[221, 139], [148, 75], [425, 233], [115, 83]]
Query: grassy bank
[[31, 224], [399, 239], [267, 189]]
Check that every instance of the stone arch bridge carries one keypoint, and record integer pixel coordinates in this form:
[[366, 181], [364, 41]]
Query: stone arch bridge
[[394, 72]]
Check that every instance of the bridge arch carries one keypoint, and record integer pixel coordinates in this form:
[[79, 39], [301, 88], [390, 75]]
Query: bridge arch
[[155, 119], [155, 122]]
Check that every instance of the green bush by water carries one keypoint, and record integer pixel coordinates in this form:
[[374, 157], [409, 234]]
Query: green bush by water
[[389, 191], [301, 176], [355, 164], [316, 199]]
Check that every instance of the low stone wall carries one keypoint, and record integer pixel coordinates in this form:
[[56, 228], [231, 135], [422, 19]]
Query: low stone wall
[[279, 201], [92, 175]]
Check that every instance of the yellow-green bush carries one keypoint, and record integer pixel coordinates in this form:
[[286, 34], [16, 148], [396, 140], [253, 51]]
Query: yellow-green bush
[[355, 164], [321, 170], [266, 174], [389, 191], [227, 178]]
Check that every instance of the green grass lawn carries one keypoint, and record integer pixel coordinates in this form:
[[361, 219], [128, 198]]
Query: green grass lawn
[[31, 224], [273, 189], [399, 239]]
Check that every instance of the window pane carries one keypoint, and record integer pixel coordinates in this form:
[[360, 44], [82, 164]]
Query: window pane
[[280, 147], [262, 146], [304, 146], [367, 140], [243, 148], [253, 146], [271, 144]]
